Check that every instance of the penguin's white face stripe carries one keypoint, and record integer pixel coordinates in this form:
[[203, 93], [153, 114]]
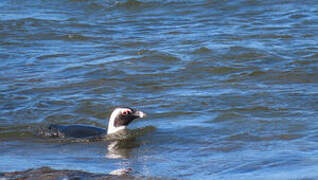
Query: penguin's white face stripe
[[111, 126]]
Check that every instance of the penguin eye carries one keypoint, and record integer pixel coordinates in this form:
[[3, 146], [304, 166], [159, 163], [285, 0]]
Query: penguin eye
[[126, 112]]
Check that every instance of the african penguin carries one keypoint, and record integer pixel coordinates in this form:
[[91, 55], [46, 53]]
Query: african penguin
[[120, 118]]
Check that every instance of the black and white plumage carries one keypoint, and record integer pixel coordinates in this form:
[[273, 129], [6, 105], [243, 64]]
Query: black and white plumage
[[120, 118]]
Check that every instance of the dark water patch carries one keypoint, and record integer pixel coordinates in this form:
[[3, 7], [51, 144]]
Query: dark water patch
[[270, 36], [137, 43], [298, 16], [130, 4], [35, 80], [224, 70], [17, 131], [275, 77], [134, 5], [251, 137], [292, 77], [202, 50], [175, 32], [75, 22], [59, 118], [162, 57], [245, 54], [57, 102], [76, 37], [223, 147], [48, 56], [229, 116], [48, 173], [93, 7]]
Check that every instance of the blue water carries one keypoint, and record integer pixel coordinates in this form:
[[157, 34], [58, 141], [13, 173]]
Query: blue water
[[230, 86]]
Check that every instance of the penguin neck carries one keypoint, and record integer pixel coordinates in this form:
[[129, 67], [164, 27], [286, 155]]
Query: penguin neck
[[112, 129]]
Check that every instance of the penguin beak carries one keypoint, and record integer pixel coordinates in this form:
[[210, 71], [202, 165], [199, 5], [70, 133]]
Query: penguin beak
[[140, 114]]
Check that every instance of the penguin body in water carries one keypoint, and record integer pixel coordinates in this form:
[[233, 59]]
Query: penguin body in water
[[119, 120]]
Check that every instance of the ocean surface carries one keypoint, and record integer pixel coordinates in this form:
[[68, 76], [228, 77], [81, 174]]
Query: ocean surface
[[230, 87]]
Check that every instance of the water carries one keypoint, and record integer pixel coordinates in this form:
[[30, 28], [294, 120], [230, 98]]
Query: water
[[230, 86]]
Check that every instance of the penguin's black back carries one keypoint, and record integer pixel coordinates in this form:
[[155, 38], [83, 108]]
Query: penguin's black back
[[75, 131]]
